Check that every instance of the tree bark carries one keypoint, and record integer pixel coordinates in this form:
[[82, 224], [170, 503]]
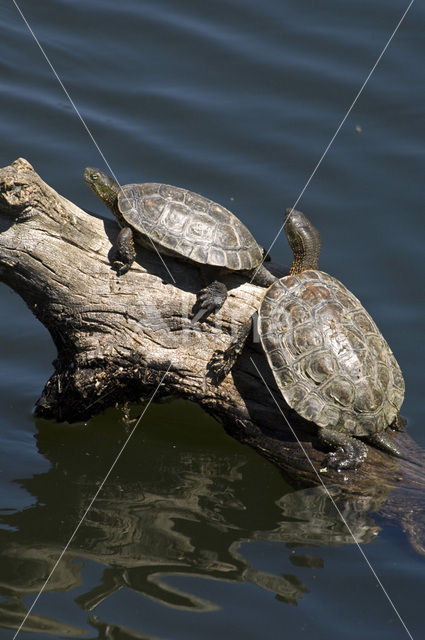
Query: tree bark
[[116, 337]]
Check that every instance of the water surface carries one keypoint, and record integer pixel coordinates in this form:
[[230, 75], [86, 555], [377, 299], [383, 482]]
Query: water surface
[[196, 536]]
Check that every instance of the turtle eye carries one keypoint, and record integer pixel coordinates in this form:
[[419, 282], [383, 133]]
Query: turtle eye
[[95, 177]]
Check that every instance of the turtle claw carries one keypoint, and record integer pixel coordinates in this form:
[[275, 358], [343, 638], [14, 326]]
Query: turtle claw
[[120, 267], [219, 366], [210, 300], [349, 452], [222, 362], [342, 459]]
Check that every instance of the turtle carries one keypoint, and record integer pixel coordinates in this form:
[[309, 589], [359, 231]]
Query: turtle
[[328, 357], [176, 222]]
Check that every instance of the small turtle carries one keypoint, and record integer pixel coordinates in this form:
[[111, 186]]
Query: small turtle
[[328, 357], [184, 225]]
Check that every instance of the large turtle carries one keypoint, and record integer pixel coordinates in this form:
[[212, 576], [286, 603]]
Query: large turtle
[[328, 357], [182, 224]]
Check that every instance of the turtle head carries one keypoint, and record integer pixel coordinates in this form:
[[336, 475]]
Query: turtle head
[[304, 240], [102, 185]]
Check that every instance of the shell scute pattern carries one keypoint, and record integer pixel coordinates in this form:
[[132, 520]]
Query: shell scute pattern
[[174, 217], [339, 390], [328, 416], [186, 248], [225, 236], [233, 260], [199, 253], [128, 203], [390, 411], [219, 213], [354, 341], [287, 344], [377, 347], [319, 368], [307, 337], [297, 393], [398, 380], [157, 234], [190, 225], [169, 192], [198, 230], [146, 189], [312, 406], [278, 361], [216, 256], [249, 259], [298, 312], [369, 396], [330, 361], [361, 320], [196, 202], [345, 298], [313, 293], [383, 375]]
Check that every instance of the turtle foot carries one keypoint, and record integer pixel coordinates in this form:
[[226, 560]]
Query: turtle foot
[[349, 454], [210, 300], [383, 441], [343, 459], [220, 366], [222, 362], [120, 267]]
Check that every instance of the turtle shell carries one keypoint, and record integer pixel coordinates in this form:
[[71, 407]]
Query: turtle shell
[[328, 357], [189, 225]]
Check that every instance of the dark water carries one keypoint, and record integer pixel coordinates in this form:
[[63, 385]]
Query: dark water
[[195, 536]]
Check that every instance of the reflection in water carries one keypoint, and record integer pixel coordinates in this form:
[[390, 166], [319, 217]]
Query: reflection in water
[[178, 504]]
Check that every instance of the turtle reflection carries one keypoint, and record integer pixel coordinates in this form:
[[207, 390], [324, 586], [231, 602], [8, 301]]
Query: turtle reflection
[[190, 509]]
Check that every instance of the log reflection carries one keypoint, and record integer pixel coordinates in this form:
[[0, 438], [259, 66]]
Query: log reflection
[[187, 503]]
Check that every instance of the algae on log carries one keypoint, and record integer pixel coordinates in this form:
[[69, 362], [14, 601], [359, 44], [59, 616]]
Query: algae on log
[[117, 336]]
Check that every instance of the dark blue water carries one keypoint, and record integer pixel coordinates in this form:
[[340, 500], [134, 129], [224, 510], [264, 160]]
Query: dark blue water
[[196, 536]]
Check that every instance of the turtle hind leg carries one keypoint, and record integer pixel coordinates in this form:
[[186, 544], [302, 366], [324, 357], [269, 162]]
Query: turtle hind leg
[[262, 276], [125, 252], [210, 300], [222, 362], [350, 452], [383, 441]]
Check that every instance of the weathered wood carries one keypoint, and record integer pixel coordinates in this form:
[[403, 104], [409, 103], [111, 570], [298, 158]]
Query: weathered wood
[[116, 336]]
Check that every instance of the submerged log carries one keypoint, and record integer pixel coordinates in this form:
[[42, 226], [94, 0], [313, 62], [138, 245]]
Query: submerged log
[[117, 338]]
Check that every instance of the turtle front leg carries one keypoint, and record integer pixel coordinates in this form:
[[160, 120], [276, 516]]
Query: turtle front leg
[[350, 452], [222, 362], [125, 252]]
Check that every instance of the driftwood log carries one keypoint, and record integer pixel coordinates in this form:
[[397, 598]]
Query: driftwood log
[[116, 337]]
